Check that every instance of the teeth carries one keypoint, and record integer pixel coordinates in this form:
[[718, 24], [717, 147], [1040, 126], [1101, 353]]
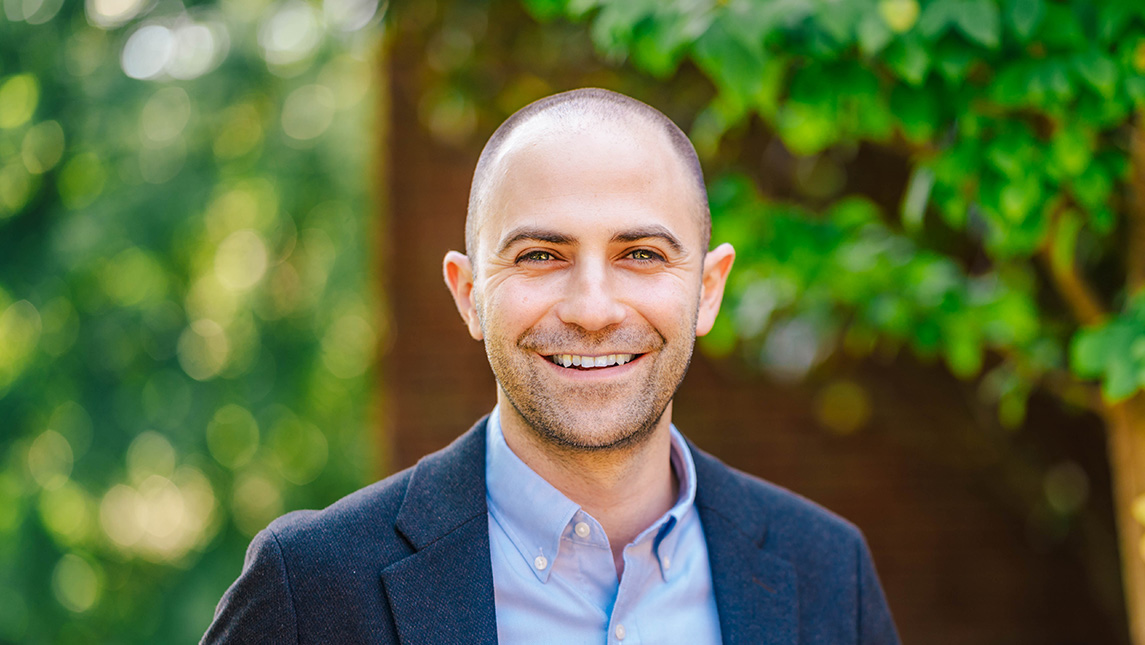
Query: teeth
[[568, 360]]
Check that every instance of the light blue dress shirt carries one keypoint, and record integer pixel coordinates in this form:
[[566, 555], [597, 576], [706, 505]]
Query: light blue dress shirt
[[553, 576]]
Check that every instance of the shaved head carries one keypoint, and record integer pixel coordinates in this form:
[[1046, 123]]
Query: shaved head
[[570, 112]]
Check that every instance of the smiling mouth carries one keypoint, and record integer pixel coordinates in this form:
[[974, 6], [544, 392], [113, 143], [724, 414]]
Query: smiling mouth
[[575, 361]]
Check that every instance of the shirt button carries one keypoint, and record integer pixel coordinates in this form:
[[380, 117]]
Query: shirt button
[[540, 562], [667, 562], [582, 529], [620, 632]]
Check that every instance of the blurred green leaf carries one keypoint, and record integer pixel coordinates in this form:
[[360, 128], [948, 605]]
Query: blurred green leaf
[[873, 33], [738, 68], [546, 9], [937, 16], [1098, 70], [173, 234], [917, 196], [1060, 28], [908, 58], [1025, 16], [979, 20], [1072, 151]]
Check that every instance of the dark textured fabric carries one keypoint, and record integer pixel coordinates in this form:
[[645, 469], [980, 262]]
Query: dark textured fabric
[[406, 560]]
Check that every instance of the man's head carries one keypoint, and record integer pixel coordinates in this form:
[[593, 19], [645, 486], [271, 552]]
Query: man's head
[[587, 235], [571, 112]]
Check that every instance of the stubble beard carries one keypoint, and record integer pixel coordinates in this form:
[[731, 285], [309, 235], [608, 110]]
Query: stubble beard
[[590, 418]]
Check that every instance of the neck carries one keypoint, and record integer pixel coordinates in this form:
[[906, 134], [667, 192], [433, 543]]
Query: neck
[[625, 489]]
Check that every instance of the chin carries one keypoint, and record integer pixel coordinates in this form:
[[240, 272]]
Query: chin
[[609, 431]]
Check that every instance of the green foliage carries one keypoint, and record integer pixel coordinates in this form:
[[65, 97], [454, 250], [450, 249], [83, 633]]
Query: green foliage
[[1013, 115], [1114, 353], [185, 322], [848, 267]]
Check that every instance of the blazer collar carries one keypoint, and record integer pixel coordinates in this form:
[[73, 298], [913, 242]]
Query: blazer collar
[[443, 591], [755, 591]]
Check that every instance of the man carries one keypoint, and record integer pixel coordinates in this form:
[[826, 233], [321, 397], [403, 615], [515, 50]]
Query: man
[[575, 512]]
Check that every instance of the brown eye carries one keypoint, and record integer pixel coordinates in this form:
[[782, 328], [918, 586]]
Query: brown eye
[[644, 255], [536, 256]]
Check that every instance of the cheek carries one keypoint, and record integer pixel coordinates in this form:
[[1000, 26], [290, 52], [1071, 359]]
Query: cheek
[[516, 306], [667, 303]]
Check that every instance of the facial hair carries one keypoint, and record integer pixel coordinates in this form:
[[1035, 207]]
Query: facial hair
[[562, 415]]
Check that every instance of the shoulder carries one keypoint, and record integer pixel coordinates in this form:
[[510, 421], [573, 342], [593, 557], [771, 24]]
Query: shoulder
[[358, 526], [784, 520], [387, 520]]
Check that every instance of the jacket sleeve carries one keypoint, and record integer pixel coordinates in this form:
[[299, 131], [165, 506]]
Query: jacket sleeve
[[258, 607], [876, 627]]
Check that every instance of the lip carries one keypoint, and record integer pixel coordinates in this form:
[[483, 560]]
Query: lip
[[597, 374]]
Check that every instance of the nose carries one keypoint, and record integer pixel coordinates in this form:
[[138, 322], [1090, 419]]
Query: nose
[[590, 299]]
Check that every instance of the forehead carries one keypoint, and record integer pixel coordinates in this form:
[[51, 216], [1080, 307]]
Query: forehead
[[608, 175]]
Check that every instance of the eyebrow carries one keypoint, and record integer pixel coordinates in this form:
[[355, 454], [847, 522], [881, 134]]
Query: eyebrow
[[650, 232], [528, 233]]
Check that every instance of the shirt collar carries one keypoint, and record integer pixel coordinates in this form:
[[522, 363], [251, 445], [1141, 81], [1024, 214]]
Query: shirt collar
[[534, 514]]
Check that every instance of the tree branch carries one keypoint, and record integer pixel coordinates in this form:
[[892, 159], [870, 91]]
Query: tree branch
[[1078, 295], [1065, 387], [1061, 383]]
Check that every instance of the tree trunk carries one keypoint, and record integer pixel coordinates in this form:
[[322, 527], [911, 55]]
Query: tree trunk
[[1126, 426]]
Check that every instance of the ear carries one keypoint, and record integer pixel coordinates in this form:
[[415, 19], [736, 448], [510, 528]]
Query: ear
[[717, 265], [459, 278]]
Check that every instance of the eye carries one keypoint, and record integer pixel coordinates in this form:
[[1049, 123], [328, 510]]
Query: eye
[[645, 255], [536, 256]]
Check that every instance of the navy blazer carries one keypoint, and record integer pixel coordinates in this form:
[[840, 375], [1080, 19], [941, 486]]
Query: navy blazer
[[406, 560]]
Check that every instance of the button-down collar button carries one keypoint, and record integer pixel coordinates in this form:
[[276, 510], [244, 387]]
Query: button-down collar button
[[667, 562], [582, 529], [540, 562], [620, 632]]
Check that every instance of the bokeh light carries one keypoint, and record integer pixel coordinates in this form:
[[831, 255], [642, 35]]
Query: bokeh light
[[181, 48], [81, 180], [76, 583], [150, 455], [42, 147], [19, 96], [232, 436], [348, 346], [166, 114], [290, 33], [50, 460], [147, 51], [68, 513], [15, 189], [308, 112], [113, 13], [20, 328], [843, 407], [203, 349], [257, 501], [349, 15], [241, 260], [299, 449], [168, 287], [34, 12]]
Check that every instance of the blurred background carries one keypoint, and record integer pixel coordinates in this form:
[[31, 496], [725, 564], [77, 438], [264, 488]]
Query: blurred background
[[221, 227]]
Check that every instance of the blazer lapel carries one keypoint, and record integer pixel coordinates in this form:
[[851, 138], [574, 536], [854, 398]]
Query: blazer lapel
[[443, 592], [756, 592]]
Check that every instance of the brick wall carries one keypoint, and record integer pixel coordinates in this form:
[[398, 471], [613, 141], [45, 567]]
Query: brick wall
[[927, 479]]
